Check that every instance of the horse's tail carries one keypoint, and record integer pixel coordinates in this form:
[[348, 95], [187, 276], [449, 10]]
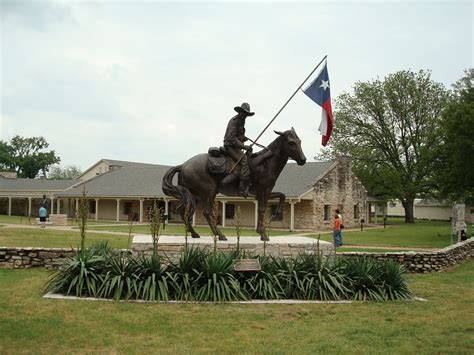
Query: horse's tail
[[187, 201]]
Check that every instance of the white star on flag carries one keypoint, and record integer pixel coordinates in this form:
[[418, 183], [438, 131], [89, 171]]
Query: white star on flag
[[325, 84]]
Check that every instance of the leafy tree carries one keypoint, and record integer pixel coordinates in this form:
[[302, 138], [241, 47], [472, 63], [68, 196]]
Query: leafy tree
[[68, 172], [455, 169], [27, 156], [390, 128]]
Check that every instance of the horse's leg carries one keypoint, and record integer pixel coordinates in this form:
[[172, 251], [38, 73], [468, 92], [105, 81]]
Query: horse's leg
[[188, 222], [211, 218], [281, 196]]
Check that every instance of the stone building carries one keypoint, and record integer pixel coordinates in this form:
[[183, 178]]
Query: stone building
[[119, 189]]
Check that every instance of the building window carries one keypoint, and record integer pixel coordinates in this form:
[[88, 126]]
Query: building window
[[127, 208], [279, 216], [91, 206], [327, 212], [356, 211], [229, 211]]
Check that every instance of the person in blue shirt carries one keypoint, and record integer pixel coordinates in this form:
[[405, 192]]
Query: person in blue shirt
[[42, 215]]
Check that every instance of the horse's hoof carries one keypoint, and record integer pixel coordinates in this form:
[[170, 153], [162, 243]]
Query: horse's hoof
[[222, 238], [264, 239], [196, 236]]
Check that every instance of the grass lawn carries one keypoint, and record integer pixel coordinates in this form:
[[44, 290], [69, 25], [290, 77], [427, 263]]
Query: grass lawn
[[30, 221], [178, 229], [48, 238], [30, 323], [423, 234]]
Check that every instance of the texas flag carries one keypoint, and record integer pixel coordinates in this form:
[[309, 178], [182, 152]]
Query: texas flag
[[319, 91]]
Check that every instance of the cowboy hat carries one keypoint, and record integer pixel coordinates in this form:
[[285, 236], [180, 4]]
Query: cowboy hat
[[244, 108]]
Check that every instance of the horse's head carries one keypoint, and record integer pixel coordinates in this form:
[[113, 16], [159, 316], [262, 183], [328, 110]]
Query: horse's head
[[292, 146]]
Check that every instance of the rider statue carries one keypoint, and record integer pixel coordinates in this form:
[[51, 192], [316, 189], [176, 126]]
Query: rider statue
[[234, 143]]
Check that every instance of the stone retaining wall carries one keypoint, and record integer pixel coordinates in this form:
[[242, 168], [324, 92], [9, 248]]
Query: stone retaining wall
[[33, 257], [424, 262], [414, 262]]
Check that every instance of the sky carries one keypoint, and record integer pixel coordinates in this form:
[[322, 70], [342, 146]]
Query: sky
[[156, 82]]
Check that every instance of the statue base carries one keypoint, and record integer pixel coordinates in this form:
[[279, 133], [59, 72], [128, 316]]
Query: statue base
[[172, 246]]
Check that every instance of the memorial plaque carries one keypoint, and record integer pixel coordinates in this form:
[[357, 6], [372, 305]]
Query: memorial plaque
[[246, 265]]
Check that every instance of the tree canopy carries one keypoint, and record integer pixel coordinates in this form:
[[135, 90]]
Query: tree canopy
[[27, 156], [68, 172], [455, 168], [390, 129]]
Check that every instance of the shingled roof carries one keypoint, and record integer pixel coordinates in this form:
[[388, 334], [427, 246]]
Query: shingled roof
[[144, 180], [21, 184]]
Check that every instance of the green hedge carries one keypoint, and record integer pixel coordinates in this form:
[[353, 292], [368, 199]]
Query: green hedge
[[200, 275]]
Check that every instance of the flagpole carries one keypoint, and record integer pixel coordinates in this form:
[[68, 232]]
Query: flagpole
[[281, 109], [286, 103]]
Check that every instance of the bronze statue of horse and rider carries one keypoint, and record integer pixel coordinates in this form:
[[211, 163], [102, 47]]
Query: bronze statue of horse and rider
[[228, 171]]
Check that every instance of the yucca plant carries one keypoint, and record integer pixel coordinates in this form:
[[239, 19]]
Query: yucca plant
[[185, 273], [218, 284], [365, 279], [264, 284], [119, 278], [317, 278], [79, 275], [152, 281], [393, 281]]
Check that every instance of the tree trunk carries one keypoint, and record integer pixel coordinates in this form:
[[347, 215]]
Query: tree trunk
[[408, 206]]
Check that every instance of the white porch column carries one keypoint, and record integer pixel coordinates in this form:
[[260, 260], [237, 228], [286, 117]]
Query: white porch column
[[9, 205], [223, 213], [52, 205], [167, 209], [58, 206], [292, 216], [29, 206], [96, 209], [141, 210], [194, 218], [256, 213], [77, 206], [118, 210]]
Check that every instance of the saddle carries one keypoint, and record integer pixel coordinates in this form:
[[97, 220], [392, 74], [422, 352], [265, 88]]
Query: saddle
[[218, 161]]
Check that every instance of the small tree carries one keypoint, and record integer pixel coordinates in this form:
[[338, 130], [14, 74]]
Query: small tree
[[238, 225], [130, 226], [156, 217], [82, 215]]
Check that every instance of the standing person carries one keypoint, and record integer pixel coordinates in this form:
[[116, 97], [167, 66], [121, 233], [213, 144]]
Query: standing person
[[337, 229], [42, 215], [234, 143]]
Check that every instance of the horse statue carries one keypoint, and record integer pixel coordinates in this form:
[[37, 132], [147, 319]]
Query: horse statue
[[198, 183]]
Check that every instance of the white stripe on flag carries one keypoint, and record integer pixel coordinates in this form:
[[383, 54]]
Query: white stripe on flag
[[323, 126]]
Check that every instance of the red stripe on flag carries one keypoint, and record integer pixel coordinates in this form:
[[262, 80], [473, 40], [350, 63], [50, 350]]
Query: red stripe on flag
[[327, 107]]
